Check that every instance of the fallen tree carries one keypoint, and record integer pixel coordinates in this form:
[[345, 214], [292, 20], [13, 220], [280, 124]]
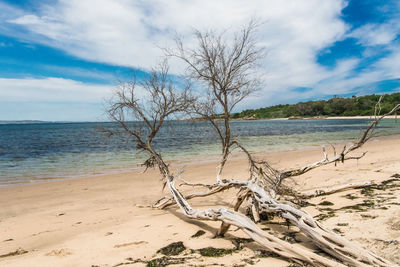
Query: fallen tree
[[226, 69]]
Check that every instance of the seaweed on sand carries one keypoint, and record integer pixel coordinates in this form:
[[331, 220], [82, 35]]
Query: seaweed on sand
[[172, 249]]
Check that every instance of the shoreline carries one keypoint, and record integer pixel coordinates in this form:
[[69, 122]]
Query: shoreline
[[106, 219], [301, 118], [195, 160], [318, 118], [198, 119]]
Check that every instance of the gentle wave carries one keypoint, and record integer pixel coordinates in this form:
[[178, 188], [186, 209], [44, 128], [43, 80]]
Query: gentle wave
[[51, 151]]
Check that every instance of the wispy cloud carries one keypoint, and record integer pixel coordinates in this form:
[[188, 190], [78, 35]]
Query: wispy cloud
[[51, 90], [128, 33], [100, 76], [377, 34]]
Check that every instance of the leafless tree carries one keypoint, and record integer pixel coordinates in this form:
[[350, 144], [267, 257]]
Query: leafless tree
[[141, 109], [226, 66], [151, 102]]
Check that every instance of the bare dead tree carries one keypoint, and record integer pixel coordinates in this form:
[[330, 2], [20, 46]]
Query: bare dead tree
[[262, 199], [225, 67], [141, 109], [156, 102]]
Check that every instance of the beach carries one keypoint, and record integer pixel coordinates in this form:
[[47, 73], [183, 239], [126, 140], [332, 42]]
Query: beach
[[199, 133], [107, 220]]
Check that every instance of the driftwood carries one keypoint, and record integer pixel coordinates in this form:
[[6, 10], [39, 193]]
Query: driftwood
[[227, 71], [322, 237], [262, 201], [269, 242], [276, 177]]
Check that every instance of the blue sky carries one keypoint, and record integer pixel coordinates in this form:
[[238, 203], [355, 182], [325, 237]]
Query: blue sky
[[59, 60]]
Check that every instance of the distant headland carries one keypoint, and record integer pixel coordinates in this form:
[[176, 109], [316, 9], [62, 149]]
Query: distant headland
[[22, 122]]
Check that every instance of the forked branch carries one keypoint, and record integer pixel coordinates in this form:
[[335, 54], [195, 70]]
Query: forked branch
[[366, 135], [227, 70]]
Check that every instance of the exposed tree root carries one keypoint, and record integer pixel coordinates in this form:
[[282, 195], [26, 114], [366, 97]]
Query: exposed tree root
[[268, 241], [328, 241], [227, 71]]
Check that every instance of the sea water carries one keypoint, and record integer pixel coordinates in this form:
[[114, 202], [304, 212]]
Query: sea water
[[49, 151]]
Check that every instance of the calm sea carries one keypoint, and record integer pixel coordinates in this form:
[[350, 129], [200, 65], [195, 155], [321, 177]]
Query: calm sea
[[46, 151]]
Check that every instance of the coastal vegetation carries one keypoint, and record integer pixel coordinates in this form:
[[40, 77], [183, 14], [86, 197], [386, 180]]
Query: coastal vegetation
[[336, 106]]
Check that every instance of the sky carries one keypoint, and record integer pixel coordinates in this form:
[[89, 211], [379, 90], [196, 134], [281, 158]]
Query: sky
[[60, 59]]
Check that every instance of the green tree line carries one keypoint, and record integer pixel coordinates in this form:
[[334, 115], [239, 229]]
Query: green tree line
[[336, 106]]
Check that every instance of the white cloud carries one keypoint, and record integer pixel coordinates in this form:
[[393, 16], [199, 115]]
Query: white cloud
[[9, 12], [377, 34], [391, 65], [127, 33], [55, 99], [103, 76], [51, 90]]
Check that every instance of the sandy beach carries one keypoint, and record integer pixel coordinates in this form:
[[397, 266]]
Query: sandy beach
[[199, 133], [107, 220]]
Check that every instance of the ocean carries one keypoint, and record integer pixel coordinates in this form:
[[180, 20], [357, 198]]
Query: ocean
[[38, 152]]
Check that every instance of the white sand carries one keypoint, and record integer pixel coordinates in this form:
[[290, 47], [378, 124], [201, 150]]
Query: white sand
[[103, 220]]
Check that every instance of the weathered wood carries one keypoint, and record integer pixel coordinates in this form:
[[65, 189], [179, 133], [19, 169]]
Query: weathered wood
[[330, 242], [226, 69], [269, 242], [366, 135]]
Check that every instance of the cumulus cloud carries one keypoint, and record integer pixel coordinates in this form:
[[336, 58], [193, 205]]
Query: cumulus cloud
[[56, 99], [129, 33], [51, 90]]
